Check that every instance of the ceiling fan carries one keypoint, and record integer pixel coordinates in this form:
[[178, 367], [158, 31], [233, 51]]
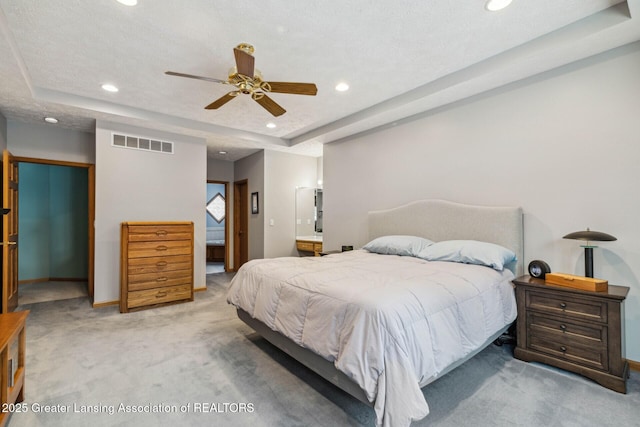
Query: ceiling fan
[[248, 80]]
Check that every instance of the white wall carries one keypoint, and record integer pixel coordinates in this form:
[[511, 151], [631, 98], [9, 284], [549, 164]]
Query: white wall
[[283, 173], [565, 146], [134, 185], [50, 142], [3, 132]]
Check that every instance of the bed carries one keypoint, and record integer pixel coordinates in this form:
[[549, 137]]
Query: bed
[[381, 326]]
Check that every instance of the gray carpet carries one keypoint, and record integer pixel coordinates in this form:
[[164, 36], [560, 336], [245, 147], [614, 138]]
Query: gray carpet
[[191, 356]]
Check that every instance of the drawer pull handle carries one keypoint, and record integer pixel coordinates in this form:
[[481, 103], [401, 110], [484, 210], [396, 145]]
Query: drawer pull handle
[[563, 349], [161, 264], [161, 279], [161, 248], [161, 233], [563, 327], [563, 305], [161, 295]]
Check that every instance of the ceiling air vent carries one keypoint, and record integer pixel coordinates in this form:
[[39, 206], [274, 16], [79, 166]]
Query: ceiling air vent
[[141, 143]]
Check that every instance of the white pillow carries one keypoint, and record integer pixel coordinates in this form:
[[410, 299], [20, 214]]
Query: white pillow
[[469, 252], [398, 245]]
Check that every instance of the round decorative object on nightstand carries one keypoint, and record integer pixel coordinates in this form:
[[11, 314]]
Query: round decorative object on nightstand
[[538, 269]]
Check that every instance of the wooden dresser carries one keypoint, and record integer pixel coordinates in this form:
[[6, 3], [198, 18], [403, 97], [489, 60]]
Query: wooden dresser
[[580, 331], [13, 344], [156, 264]]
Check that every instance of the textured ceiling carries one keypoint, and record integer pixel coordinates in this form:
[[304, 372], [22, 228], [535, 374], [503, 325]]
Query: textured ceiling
[[401, 58]]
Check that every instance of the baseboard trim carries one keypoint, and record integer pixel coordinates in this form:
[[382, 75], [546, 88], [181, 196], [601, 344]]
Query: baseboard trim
[[105, 304], [199, 289], [633, 365], [29, 281], [52, 279]]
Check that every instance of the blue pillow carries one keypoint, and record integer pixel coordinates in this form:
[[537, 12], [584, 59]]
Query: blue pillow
[[469, 252], [398, 245]]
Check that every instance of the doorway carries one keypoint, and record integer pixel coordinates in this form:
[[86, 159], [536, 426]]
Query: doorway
[[55, 227], [217, 253]]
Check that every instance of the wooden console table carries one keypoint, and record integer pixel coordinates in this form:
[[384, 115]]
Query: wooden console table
[[12, 344]]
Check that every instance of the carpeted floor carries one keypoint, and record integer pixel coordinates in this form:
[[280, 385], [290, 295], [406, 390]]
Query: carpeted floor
[[196, 364], [31, 293]]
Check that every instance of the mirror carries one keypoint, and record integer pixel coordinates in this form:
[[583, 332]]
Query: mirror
[[308, 212]]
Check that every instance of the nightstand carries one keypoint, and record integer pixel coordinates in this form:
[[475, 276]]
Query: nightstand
[[579, 331]]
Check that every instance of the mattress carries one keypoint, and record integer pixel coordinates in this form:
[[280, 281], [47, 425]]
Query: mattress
[[392, 324]]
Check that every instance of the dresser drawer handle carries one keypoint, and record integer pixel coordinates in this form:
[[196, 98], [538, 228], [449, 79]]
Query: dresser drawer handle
[[161, 295], [563, 349], [563, 305], [161, 279], [563, 327], [161, 264], [161, 248], [161, 233]]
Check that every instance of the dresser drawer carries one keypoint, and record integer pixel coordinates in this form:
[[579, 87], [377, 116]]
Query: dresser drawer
[[158, 296], [567, 305], [154, 233], [139, 282], [164, 248], [158, 264]]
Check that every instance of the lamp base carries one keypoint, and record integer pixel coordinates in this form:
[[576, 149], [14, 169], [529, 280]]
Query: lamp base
[[588, 261]]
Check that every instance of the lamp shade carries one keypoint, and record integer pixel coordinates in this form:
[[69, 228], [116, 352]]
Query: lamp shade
[[589, 235]]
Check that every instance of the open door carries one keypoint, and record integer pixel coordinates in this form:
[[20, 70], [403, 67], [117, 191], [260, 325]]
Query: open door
[[240, 223], [9, 232]]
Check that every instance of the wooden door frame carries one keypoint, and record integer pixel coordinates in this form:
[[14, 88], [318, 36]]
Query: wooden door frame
[[226, 221], [9, 266], [237, 210], [91, 184]]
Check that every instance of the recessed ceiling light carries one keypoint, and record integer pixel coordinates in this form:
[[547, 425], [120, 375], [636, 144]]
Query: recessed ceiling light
[[222, 153], [342, 87], [271, 125], [51, 120], [495, 5], [128, 2], [109, 87]]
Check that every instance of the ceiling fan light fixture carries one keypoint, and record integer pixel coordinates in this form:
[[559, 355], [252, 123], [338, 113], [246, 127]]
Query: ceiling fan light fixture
[[495, 5]]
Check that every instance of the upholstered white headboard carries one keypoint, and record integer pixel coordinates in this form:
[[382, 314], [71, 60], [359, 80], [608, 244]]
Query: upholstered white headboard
[[440, 220]]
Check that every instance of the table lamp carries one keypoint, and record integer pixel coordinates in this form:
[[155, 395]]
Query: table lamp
[[589, 236]]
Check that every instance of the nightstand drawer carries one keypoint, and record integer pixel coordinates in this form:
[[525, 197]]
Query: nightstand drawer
[[567, 305], [585, 333], [570, 349]]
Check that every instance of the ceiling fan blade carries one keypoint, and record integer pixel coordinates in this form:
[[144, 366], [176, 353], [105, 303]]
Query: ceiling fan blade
[[271, 106], [293, 88], [244, 62], [191, 76], [220, 101]]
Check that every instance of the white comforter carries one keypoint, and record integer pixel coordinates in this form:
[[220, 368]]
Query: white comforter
[[392, 324]]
